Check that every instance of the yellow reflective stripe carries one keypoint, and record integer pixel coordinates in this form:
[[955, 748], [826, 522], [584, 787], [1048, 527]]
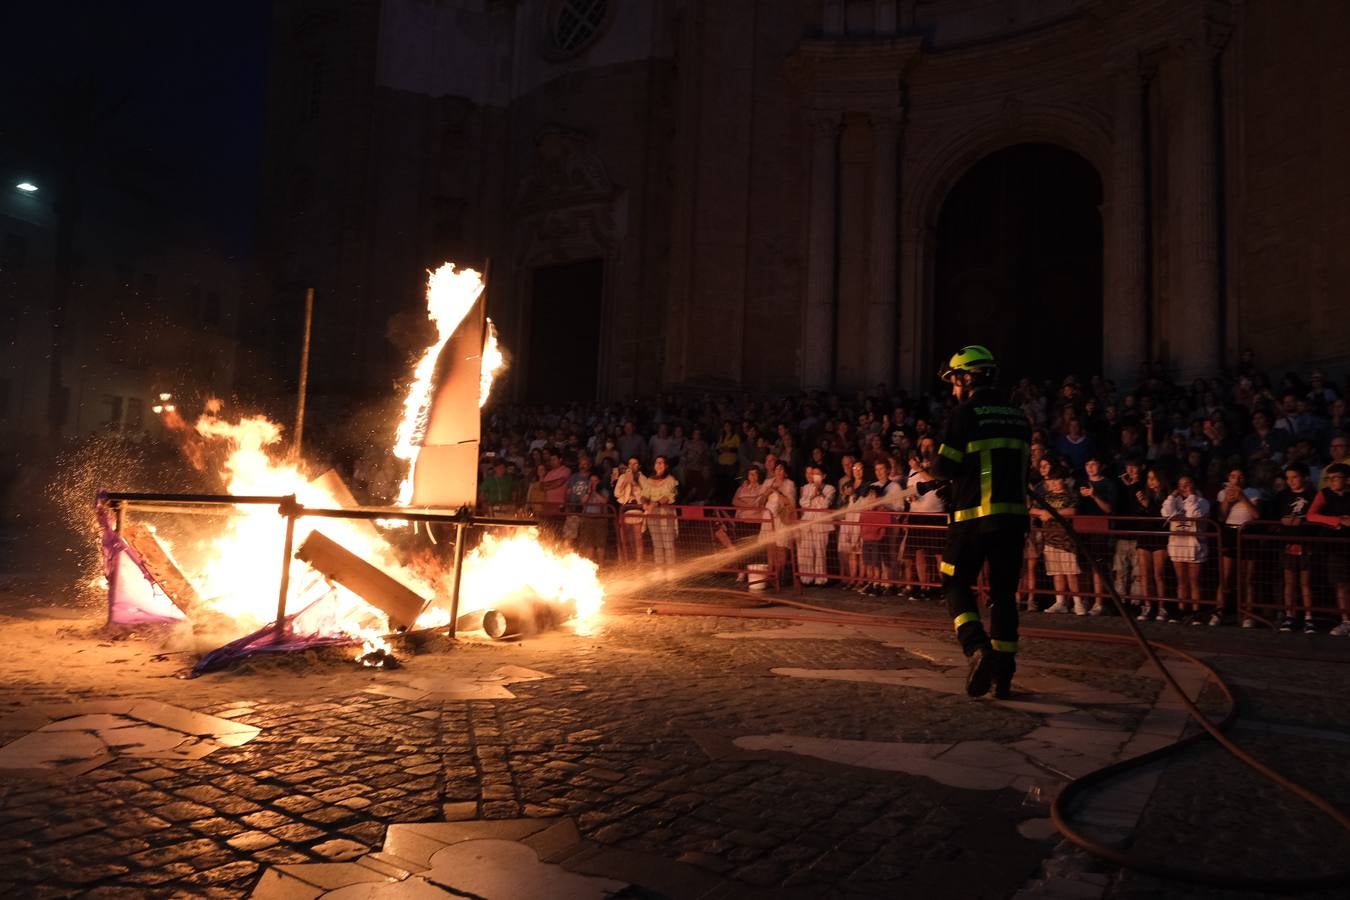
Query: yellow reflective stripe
[[964, 618], [951, 453], [996, 444], [946, 568], [1004, 646], [989, 509]]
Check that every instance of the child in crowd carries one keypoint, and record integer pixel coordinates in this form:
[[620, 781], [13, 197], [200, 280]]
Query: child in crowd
[[1061, 559], [1331, 509], [1291, 506]]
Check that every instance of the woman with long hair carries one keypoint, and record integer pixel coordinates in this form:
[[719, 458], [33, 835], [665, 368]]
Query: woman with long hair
[[1183, 509], [780, 502], [1151, 555], [628, 494], [657, 494], [852, 491]]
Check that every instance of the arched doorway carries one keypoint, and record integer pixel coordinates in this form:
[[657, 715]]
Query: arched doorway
[[1018, 263]]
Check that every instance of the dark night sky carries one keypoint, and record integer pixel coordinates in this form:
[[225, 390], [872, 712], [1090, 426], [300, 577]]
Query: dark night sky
[[159, 104]]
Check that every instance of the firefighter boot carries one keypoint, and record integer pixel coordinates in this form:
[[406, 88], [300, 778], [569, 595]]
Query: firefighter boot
[[1003, 674], [983, 667]]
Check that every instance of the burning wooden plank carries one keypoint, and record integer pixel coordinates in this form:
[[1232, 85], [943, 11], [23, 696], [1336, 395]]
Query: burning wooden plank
[[164, 570], [400, 603]]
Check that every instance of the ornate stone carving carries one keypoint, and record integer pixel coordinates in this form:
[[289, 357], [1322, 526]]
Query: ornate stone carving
[[565, 170]]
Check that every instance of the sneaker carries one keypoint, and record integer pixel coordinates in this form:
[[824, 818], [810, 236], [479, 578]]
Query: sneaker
[[1215, 620], [1163, 617], [1144, 612], [1249, 622], [1097, 609], [1341, 630], [980, 676], [1079, 607], [1196, 618], [1287, 624], [1059, 606], [1309, 627]]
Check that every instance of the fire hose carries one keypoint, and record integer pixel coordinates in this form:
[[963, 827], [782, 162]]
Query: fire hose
[[1059, 810]]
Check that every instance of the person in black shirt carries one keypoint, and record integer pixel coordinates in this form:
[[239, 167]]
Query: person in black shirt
[[1129, 572], [1291, 507], [984, 456], [1331, 509], [1097, 497]]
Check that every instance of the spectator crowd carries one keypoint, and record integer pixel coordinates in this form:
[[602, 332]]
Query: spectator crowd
[[1162, 475]]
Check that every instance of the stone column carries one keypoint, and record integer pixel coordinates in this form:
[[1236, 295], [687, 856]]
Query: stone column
[[880, 346], [1124, 338], [1197, 345], [818, 318]]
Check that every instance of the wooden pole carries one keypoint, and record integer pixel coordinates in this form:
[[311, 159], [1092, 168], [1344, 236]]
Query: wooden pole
[[288, 509], [304, 375]]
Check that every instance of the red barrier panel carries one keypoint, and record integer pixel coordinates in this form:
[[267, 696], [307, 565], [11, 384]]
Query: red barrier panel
[[1288, 575]]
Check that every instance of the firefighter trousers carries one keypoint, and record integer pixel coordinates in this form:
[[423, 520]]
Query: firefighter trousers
[[969, 547]]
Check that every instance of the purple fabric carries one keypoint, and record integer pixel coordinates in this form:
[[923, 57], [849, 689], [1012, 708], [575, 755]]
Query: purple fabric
[[134, 596]]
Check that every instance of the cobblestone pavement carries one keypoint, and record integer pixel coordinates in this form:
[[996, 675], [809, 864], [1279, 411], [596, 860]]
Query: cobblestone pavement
[[663, 738]]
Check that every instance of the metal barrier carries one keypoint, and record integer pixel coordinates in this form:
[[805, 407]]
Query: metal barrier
[[1294, 570], [592, 534], [735, 541], [121, 504], [1167, 564], [873, 547]]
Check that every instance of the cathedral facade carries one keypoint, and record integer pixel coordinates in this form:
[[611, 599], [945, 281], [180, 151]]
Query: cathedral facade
[[793, 194]]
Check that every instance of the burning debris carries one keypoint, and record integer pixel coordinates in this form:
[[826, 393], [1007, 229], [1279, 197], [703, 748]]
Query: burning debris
[[354, 581]]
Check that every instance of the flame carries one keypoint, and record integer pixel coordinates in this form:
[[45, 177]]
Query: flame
[[493, 363], [237, 568], [450, 296], [518, 566], [240, 569]]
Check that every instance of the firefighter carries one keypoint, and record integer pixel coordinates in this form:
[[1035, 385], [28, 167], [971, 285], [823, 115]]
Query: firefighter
[[983, 458]]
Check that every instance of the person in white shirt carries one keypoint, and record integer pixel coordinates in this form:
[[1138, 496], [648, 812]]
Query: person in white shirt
[[816, 500], [925, 510], [1187, 550], [627, 492], [780, 505], [1238, 505], [657, 494], [852, 492]]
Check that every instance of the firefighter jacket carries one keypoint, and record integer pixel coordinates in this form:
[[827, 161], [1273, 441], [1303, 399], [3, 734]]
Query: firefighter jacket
[[985, 455]]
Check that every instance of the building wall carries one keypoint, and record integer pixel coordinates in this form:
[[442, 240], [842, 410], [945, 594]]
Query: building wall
[[1292, 209], [677, 149]]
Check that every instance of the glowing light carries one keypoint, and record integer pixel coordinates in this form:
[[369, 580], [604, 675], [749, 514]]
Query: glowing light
[[27, 187]]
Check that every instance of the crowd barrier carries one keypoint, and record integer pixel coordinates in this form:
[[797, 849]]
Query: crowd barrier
[[1186, 566], [1279, 569]]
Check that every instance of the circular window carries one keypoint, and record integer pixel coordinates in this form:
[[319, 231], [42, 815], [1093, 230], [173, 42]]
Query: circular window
[[573, 25]]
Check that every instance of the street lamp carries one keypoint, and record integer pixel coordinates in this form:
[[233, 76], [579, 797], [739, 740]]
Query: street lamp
[[27, 187]]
